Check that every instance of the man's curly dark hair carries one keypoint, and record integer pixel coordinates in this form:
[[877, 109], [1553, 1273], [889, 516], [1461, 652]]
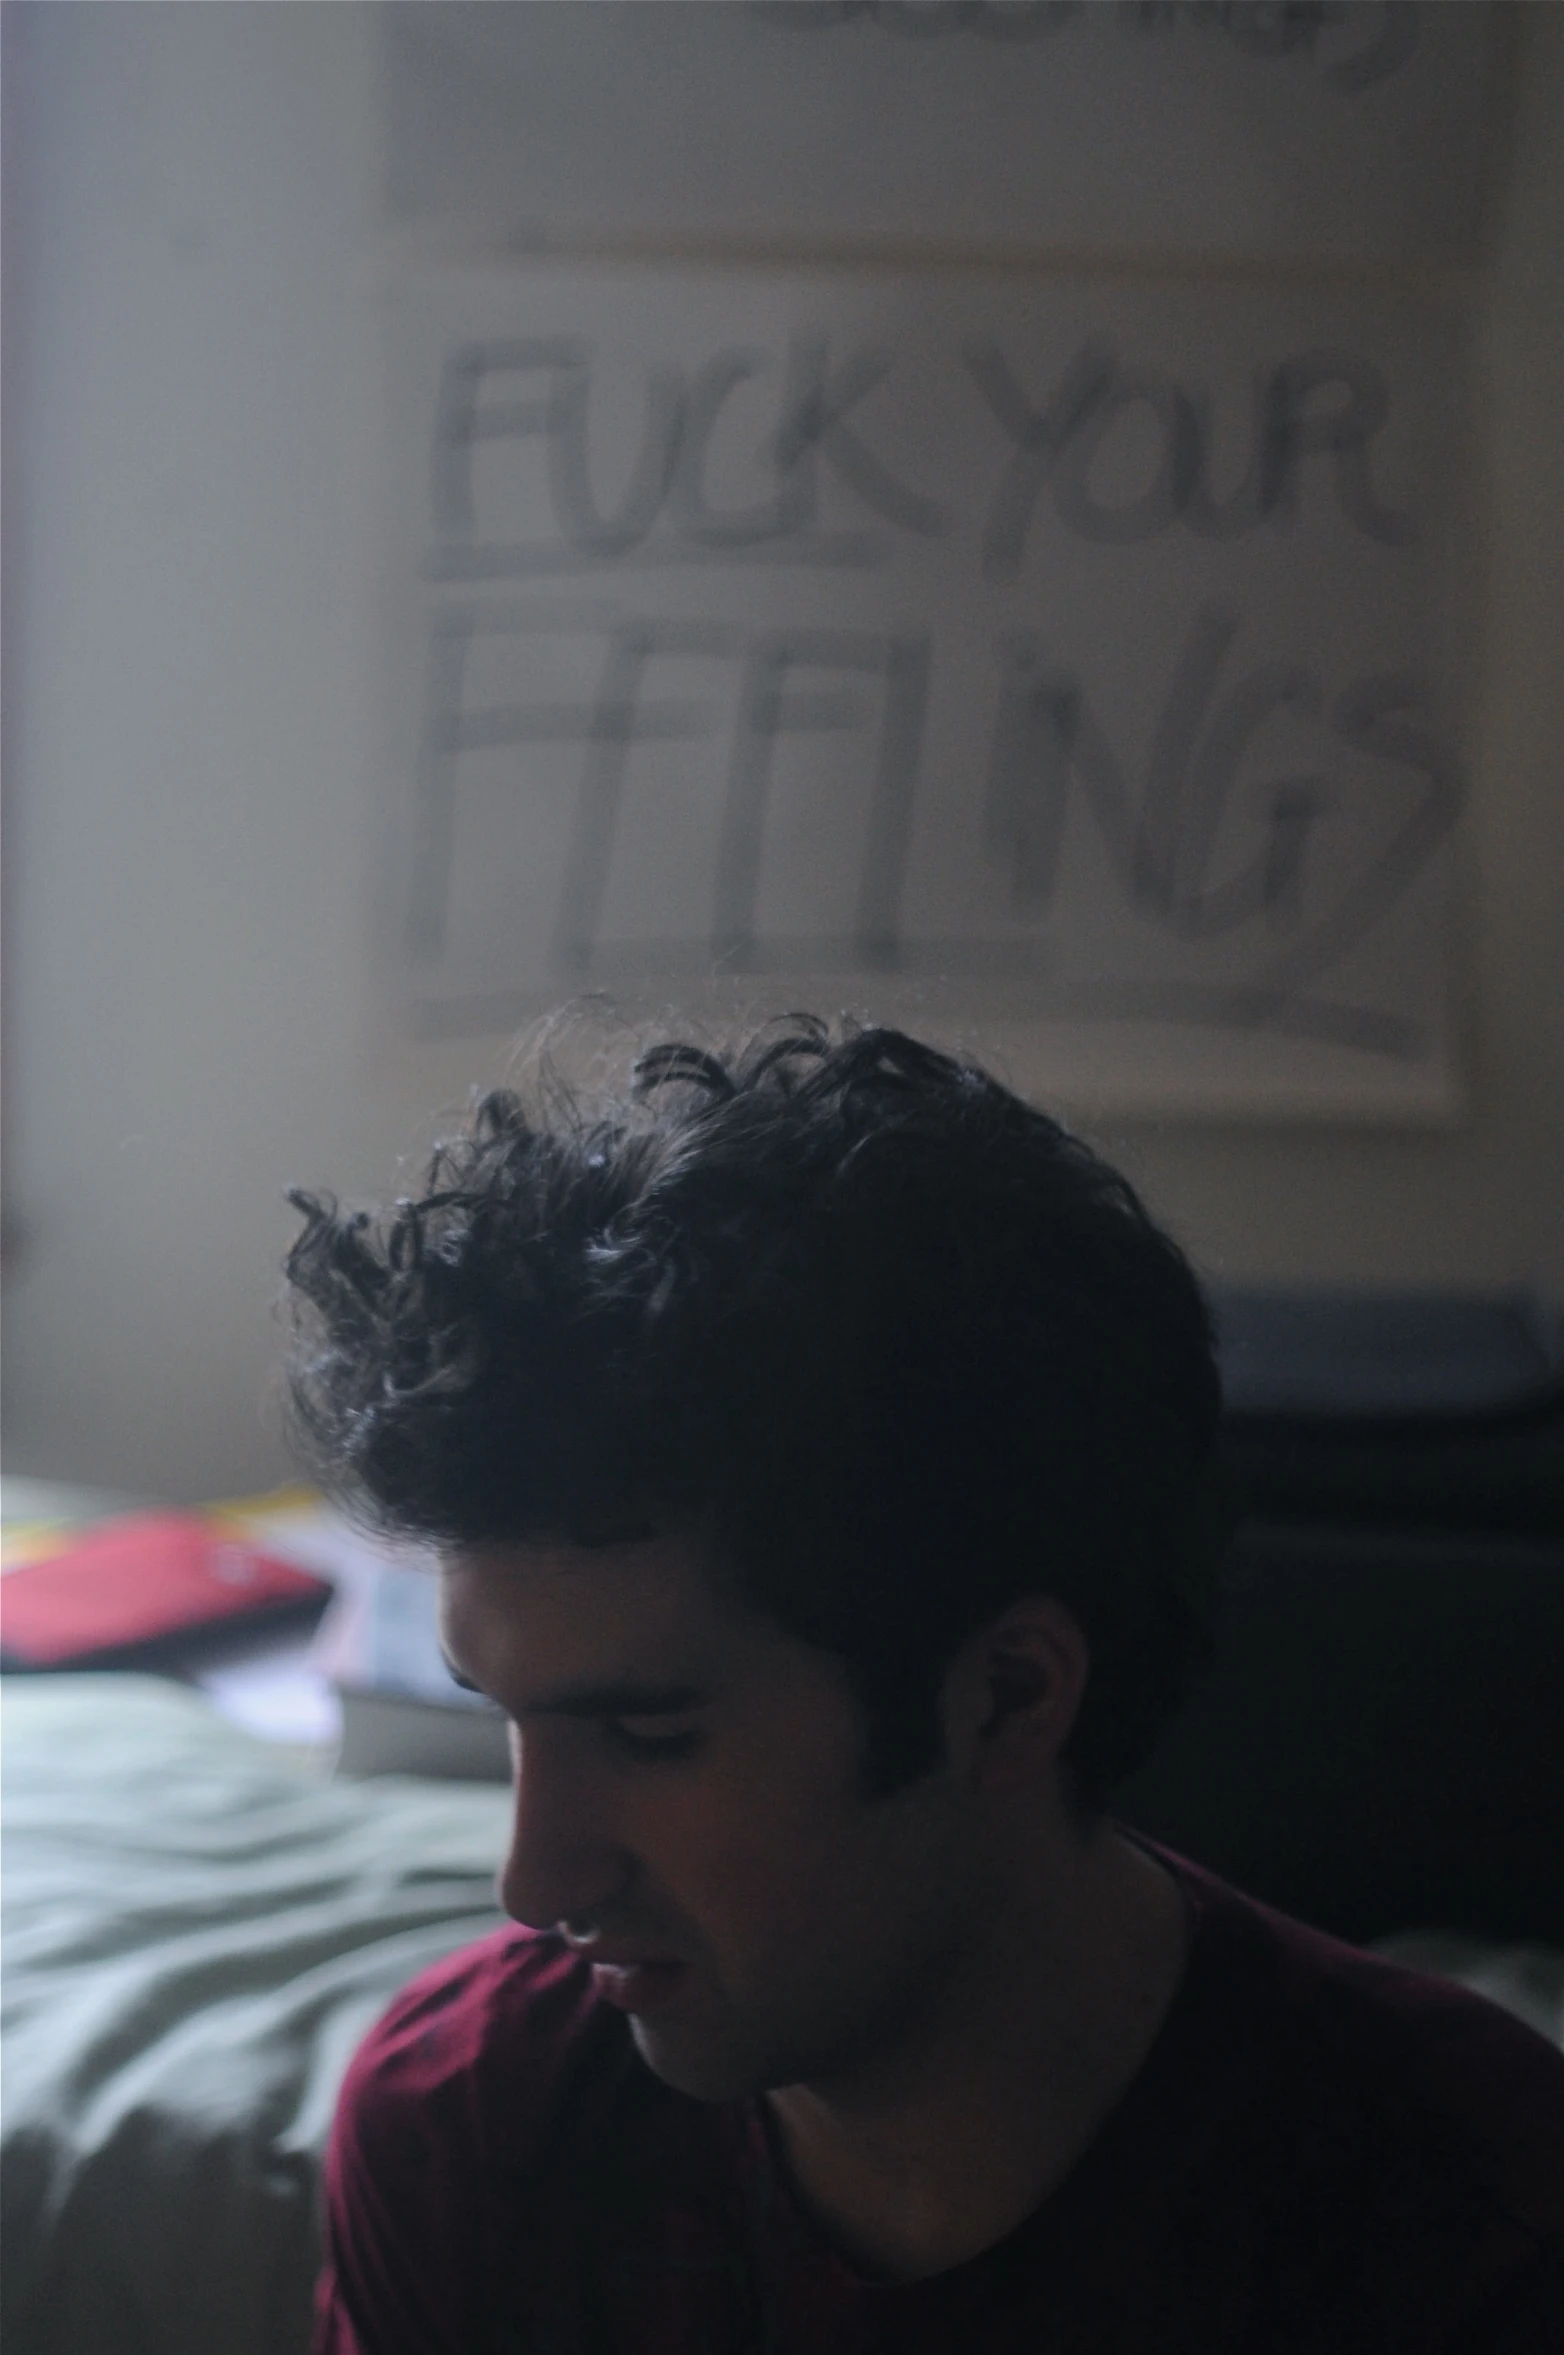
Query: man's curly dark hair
[[893, 1345]]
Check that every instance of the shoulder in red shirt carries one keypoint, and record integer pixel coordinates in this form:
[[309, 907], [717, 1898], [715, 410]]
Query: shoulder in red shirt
[[1322, 2153]]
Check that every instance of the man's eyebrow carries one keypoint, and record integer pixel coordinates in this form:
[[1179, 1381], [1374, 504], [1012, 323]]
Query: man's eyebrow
[[622, 1697], [625, 1697]]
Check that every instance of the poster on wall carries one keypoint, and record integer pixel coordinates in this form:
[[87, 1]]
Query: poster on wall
[[1345, 129], [1072, 662]]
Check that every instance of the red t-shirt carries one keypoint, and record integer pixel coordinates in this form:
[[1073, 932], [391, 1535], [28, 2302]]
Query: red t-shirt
[[1321, 2153]]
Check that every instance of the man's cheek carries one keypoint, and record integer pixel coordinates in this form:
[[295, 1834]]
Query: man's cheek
[[759, 1885]]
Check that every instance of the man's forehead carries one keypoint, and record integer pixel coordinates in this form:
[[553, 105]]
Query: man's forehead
[[554, 1613]]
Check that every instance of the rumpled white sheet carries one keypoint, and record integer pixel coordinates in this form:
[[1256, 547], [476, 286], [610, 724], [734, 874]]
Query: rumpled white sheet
[[196, 1936], [1527, 1980]]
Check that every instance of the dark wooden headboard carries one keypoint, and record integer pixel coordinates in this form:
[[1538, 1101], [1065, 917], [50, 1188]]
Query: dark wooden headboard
[[1380, 1743]]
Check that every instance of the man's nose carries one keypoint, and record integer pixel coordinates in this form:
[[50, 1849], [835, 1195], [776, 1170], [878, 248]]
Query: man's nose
[[564, 1863]]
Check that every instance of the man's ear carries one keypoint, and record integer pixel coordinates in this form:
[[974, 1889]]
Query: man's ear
[[1014, 1691]]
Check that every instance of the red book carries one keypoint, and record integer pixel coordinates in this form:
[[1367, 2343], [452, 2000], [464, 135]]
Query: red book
[[136, 1588]]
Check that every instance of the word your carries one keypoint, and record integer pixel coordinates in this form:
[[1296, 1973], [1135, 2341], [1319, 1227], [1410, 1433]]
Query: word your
[[1047, 750], [1325, 407], [1256, 28]]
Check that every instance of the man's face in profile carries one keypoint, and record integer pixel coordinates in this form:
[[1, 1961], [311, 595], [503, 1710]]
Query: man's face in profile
[[690, 1809]]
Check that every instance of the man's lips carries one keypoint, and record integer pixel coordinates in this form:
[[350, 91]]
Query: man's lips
[[637, 1986]]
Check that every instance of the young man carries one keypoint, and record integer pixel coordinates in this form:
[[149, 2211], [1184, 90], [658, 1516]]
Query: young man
[[820, 1446]]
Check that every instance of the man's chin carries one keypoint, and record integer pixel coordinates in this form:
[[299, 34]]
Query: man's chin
[[706, 2068]]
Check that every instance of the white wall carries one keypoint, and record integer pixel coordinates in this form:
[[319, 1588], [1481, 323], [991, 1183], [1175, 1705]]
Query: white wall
[[191, 376], [193, 237]]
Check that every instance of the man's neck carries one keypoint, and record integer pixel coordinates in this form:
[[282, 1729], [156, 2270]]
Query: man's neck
[[942, 2157]]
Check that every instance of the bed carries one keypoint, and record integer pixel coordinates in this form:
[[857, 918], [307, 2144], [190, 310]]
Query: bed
[[198, 1930]]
